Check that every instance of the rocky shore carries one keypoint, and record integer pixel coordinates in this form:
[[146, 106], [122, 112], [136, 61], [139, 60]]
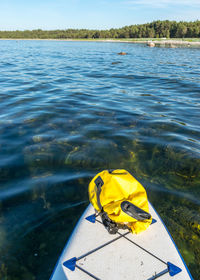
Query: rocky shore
[[160, 43], [151, 43]]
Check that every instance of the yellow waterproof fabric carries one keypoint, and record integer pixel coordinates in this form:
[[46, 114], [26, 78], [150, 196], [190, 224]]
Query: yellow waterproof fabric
[[120, 186]]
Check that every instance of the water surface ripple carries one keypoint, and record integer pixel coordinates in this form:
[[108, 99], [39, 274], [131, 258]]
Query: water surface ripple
[[69, 110]]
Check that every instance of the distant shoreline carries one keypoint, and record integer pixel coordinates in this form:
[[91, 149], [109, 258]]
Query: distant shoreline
[[158, 42]]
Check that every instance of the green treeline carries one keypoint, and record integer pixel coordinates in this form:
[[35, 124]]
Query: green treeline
[[156, 29]]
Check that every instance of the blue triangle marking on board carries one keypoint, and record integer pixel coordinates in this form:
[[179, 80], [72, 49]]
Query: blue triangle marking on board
[[91, 218], [153, 221], [173, 269], [70, 264]]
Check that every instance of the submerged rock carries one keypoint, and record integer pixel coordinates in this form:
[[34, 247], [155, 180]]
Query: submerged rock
[[37, 138], [115, 62]]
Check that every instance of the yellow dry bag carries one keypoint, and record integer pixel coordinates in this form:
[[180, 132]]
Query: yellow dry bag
[[121, 201]]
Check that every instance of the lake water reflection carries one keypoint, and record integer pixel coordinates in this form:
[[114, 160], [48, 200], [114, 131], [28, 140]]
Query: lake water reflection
[[69, 110]]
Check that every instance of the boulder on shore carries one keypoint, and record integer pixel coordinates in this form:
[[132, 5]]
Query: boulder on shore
[[151, 44]]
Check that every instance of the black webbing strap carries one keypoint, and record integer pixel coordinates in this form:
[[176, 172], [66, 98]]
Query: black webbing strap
[[111, 171], [99, 183], [110, 225]]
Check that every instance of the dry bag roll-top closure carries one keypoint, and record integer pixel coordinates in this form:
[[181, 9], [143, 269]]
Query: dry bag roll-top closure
[[120, 200]]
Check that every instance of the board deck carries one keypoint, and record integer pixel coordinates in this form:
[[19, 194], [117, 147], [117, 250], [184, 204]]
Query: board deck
[[149, 255]]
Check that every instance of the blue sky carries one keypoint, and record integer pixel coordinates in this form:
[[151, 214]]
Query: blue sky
[[92, 14]]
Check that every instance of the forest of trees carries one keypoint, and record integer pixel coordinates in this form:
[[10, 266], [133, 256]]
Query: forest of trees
[[156, 29]]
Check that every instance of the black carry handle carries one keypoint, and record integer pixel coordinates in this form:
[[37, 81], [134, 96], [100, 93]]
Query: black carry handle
[[134, 211], [116, 173]]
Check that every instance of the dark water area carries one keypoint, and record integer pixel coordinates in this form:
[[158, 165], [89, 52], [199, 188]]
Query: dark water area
[[71, 109]]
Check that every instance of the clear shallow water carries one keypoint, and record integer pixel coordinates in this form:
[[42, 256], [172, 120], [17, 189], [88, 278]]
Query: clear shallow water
[[69, 110]]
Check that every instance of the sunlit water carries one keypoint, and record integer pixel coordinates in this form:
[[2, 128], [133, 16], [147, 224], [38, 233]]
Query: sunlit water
[[69, 110]]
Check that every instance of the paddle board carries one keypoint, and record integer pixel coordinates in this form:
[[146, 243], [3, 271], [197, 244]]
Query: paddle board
[[93, 253]]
